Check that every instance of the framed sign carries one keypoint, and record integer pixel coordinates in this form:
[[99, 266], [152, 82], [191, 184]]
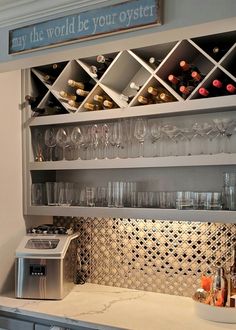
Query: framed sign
[[129, 15]]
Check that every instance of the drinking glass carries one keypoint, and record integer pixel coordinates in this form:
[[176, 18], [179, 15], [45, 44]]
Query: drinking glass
[[37, 193], [63, 139], [50, 140], [90, 196], [65, 193], [76, 138], [52, 193], [105, 140], [156, 137], [116, 137], [140, 131]]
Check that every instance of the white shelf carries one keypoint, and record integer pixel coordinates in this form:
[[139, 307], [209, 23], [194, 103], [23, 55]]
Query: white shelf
[[173, 108], [139, 213], [142, 162]]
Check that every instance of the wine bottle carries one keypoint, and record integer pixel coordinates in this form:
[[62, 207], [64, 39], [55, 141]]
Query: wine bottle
[[76, 84], [145, 100], [218, 52], [231, 88], [219, 288], [177, 81], [133, 85], [92, 106], [166, 97], [197, 76], [153, 62], [82, 92], [99, 98], [186, 90], [98, 71], [232, 278], [108, 104], [73, 103], [211, 91], [32, 100], [126, 98], [67, 96], [47, 78], [105, 60]]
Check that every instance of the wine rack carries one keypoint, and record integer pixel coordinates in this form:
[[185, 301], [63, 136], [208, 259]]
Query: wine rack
[[114, 83]]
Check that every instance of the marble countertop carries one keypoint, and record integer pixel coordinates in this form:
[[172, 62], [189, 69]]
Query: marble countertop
[[104, 307]]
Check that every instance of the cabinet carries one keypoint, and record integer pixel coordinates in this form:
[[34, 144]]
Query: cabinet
[[168, 172], [12, 324]]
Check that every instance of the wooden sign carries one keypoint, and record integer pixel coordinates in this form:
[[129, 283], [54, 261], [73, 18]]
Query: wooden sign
[[95, 23]]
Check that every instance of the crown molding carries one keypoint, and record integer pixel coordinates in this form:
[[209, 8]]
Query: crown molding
[[18, 12]]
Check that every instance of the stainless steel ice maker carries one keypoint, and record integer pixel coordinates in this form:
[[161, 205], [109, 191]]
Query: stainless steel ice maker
[[45, 266]]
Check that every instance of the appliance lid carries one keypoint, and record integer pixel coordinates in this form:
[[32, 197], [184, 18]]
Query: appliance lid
[[41, 246], [37, 243]]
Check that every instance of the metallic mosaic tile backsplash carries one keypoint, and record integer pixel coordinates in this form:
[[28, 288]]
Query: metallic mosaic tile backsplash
[[152, 255]]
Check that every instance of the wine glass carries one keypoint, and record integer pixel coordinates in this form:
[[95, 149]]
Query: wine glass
[[50, 140], [94, 140], [105, 140], [156, 136], [76, 138], [140, 131], [63, 140], [116, 137], [171, 132]]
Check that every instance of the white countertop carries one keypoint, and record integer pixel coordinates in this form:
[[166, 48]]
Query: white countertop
[[104, 307]]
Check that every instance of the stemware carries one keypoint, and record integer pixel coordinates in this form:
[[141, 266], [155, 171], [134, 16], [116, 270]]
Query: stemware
[[94, 140], [116, 138], [140, 131], [76, 138], [104, 140], [156, 136], [63, 140], [50, 140], [171, 132]]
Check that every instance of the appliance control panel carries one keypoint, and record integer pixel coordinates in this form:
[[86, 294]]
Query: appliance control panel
[[37, 270]]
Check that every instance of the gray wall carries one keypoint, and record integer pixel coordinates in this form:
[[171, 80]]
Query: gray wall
[[177, 13]]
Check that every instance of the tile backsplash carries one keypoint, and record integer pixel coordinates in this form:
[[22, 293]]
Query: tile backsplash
[[152, 255]]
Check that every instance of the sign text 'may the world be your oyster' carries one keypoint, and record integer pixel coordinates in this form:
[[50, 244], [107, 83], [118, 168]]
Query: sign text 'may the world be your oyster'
[[89, 24]]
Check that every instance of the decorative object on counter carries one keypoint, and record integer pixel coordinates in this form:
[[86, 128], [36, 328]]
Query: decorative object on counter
[[232, 279]]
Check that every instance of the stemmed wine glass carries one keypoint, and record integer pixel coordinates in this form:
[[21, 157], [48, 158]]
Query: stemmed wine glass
[[63, 140], [156, 136], [116, 137], [140, 131], [50, 140], [171, 132], [94, 140], [76, 138], [105, 140]]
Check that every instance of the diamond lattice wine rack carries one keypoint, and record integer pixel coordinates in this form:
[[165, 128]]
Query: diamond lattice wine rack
[[142, 133]]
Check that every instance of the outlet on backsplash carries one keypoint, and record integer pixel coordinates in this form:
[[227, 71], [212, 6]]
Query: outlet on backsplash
[[151, 255]]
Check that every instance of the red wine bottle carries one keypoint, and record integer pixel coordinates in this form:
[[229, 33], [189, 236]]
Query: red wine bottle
[[186, 90], [197, 76], [211, 91], [231, 88]]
